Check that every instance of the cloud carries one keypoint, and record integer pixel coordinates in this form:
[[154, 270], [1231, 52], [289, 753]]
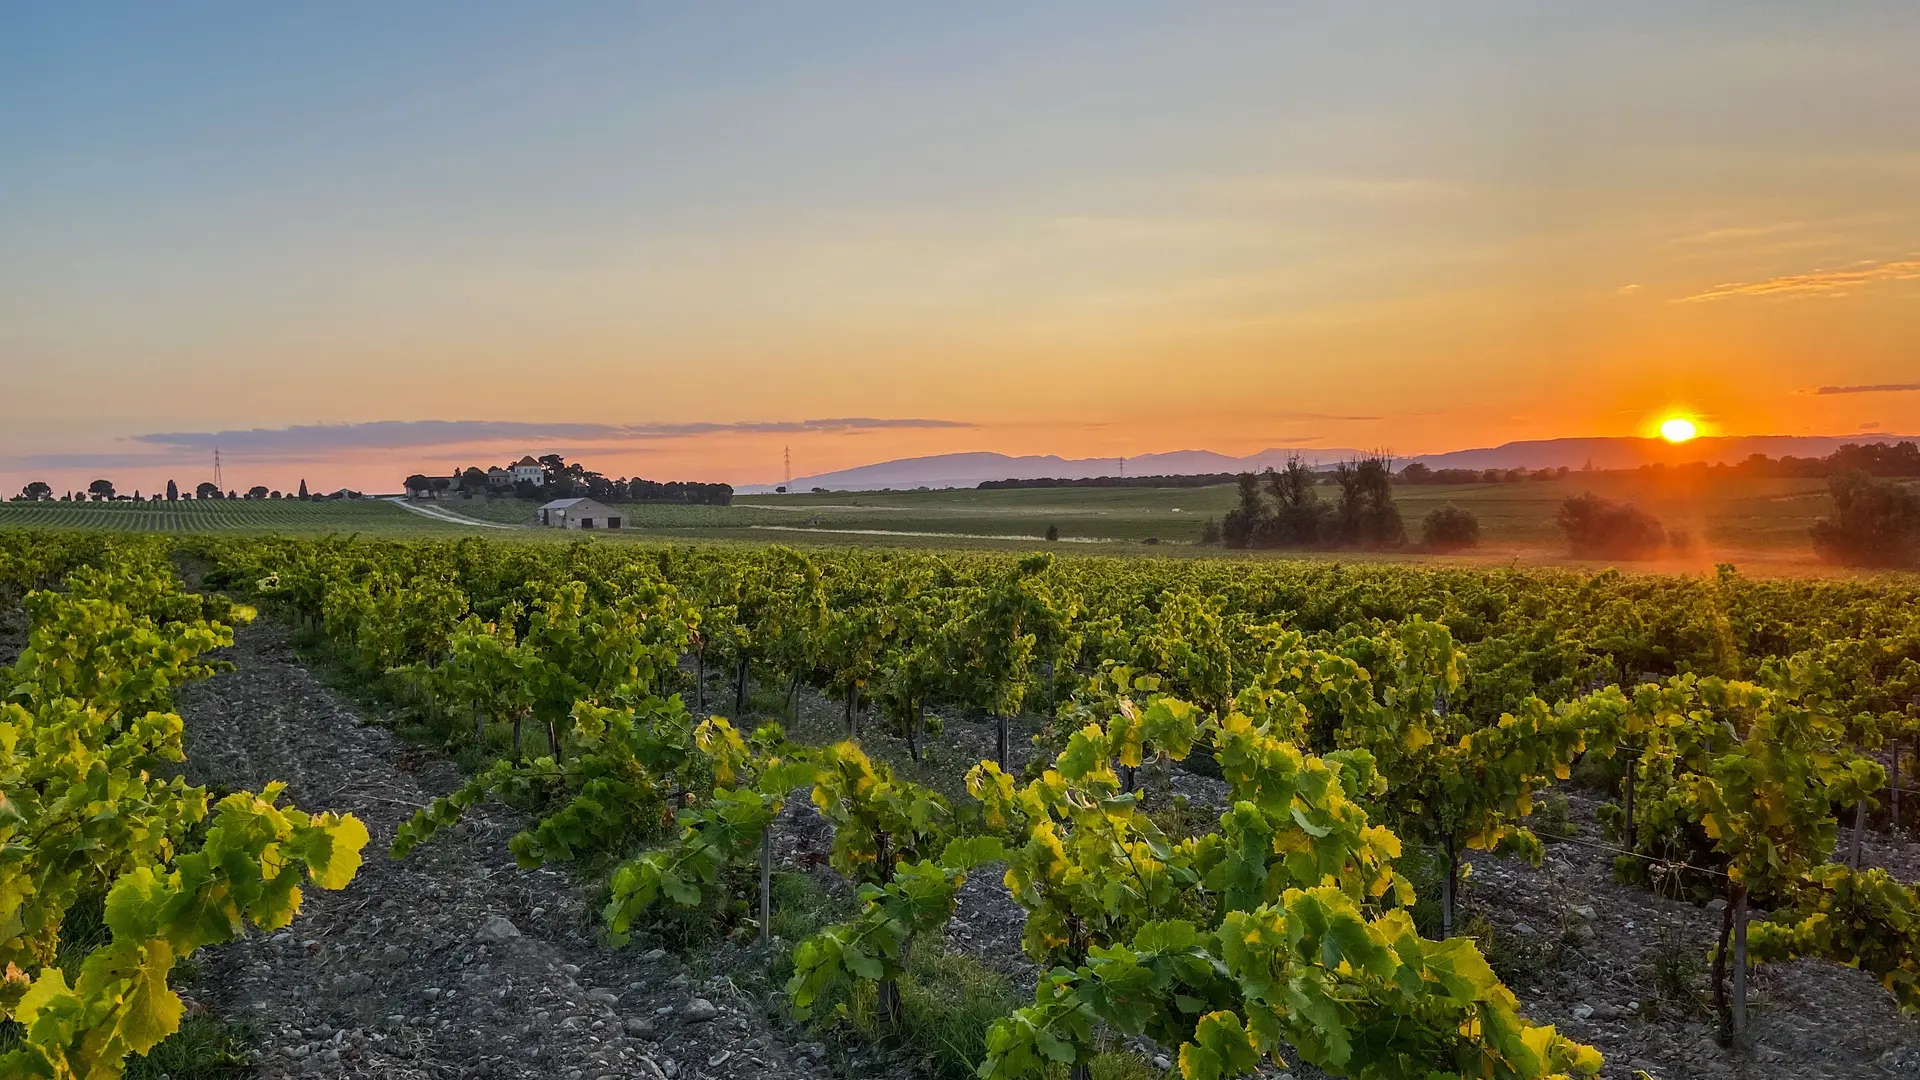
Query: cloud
[[1875, 388], [1740, 232], [403, 434], [1815, 283]]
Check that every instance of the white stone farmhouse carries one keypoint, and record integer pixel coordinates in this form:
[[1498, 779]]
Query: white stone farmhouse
[[579, 514], [529, 470]]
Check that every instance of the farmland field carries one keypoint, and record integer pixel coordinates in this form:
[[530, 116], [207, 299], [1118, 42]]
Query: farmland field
[[1749, 514], [1194, 761], [1760, 524], [290, 516]]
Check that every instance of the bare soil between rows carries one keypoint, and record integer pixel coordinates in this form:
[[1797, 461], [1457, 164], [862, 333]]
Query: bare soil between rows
[[455, 963]]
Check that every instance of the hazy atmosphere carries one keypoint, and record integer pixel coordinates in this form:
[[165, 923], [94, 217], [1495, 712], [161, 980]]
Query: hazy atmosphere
[[349, 242]]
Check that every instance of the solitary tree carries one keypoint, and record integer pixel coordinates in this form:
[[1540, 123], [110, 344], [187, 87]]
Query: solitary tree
[[303, 488], [1366, 514], [1450, 528], [206, 491], [1875, 522], [173, 491], [1246, 519], [36, 491], [1600, 528], [100, 489], [1297, 511], [257, 491]]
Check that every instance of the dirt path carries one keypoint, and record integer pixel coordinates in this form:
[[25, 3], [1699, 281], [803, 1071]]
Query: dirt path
[[442, 515], [452, 962]]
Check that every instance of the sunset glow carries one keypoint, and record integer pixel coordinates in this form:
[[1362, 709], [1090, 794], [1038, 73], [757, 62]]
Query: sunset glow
[[1678, 429], [678, 243]]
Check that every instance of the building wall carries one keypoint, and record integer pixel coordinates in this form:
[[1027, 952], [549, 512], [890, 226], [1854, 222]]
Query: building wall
[[571, 517]]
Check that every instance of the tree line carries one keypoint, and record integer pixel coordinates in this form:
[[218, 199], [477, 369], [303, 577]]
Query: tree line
[[1282, 508], [105, 491], [562, 479], [1194, 480]]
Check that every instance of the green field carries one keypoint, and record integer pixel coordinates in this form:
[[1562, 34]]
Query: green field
[[1742, 514], [1741, 519]]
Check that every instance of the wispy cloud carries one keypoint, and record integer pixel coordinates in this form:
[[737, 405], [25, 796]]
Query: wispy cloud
[[1740, 232], [402, 434], [1814, 283], [1875, 388]]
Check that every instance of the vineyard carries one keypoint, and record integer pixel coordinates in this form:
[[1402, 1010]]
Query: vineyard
[[94, 816], [217, 516], [1237, 816]]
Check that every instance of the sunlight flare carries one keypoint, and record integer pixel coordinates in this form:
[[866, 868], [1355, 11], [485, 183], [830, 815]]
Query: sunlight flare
[[1678, 429]]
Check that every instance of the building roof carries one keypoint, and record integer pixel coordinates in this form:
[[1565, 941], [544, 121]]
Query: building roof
[[527, 460], [563, 504]]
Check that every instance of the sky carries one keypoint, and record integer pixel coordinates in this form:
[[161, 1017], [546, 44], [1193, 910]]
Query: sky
[[345, 242]]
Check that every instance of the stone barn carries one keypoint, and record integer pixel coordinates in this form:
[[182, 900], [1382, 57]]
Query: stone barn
[[579, 514]]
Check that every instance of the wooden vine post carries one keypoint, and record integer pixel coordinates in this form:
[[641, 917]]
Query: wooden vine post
[[766, 884]]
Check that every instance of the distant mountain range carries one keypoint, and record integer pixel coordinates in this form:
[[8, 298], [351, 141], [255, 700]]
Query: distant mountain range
[[971, 469]]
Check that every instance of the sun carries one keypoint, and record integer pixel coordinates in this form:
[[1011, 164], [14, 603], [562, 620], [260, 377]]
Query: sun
[[1678, 429]]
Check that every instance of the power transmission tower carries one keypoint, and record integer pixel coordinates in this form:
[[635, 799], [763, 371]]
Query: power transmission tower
[[218, 481], [1123, 468], [786, 452]]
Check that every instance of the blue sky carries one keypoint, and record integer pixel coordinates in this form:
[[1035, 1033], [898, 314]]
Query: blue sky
[[1065, 228]]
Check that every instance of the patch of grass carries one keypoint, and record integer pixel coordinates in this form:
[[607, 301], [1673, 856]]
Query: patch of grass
[[205, 1048], [948, 1000], [802, 907], [1425, 867], [1120, 1065], [1676, 971], [1517, 958]]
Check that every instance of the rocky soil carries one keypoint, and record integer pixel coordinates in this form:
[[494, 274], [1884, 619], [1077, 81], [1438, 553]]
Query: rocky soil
[[454, 963], [451, 962]]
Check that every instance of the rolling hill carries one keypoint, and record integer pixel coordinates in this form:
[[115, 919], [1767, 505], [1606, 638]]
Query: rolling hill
[[971, 469]]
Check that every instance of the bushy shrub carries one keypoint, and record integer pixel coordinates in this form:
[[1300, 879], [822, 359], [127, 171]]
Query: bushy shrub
[[1600, 528], [1875, 523], [1450, 528]]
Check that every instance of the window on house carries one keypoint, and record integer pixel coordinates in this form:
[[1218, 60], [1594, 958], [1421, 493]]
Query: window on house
[[586, 523]]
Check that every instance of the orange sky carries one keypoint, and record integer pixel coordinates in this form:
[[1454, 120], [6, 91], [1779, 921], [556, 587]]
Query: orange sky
[[1105, 231]]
